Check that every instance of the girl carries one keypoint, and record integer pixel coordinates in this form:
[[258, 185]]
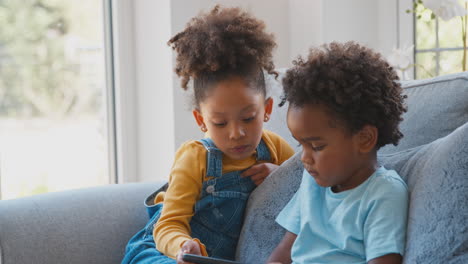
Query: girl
[[224, 52]]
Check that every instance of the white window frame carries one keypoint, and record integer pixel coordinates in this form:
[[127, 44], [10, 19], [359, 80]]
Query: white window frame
[[437, 50], [143, 79], [122, 107]]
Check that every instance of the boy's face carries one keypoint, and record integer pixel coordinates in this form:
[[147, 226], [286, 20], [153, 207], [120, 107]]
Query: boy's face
[[333, 156], [233, 115]]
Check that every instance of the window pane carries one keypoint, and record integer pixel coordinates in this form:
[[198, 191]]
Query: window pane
[[425, 32], [425, 65], [450, 33], [53, 133], [451, 62]]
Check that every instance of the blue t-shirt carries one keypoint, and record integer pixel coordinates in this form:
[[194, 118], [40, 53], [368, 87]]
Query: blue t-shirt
[[352, 226]]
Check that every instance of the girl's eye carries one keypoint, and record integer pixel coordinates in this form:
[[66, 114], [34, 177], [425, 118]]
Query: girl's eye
[[249, 119], [219, 124]]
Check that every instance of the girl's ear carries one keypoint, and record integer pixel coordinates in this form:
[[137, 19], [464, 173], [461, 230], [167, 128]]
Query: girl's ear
[[199, 119], [268, 108], [367, 138]]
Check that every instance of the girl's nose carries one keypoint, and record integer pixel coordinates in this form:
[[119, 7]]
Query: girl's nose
[[236, 132]]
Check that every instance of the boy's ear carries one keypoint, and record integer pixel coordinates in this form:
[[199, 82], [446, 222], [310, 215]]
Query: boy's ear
[[367, 138], [199, 119], [268, 108]]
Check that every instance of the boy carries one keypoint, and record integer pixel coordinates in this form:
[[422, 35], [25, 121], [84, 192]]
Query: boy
[[345, 103]]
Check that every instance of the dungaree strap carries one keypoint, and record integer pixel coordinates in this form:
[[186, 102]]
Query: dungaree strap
[[214, 158], [262, 151]]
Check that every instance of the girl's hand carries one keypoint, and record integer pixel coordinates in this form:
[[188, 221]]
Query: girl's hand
[[259, 172], [189, 247]]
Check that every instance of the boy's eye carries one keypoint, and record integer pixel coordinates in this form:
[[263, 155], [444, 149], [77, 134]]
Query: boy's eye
[[318, 148]]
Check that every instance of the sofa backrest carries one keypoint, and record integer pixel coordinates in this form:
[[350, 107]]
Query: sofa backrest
[[436, 107]]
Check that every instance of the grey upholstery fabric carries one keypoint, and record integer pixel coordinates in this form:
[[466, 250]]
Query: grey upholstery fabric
[[437, 177], [83, 226], [436, 107], [260, 233]]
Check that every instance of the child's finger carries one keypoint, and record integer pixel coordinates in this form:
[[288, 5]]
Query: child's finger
[[251, 171], [179, 259], [259, 176], [257, 168], [258, 182], [191, 247]]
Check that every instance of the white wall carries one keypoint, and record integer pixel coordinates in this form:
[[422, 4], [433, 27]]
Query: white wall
[[156, 111], [351, 20], [305, 26], [154, 85]]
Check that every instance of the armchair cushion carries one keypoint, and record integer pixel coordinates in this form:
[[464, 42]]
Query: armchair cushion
[[437, 178], [89, 225]]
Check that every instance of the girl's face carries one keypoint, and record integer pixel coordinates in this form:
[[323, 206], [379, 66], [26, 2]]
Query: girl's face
[[232, 114], [333, 156]]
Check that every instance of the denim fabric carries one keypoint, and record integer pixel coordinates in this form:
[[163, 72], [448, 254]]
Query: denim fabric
[[141, 248], [218, 214]]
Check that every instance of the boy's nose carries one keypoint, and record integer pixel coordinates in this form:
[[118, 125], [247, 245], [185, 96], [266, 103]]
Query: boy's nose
[[306, 157]]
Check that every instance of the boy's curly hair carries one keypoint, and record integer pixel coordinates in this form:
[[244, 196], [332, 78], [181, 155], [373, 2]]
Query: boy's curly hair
[[220, 44], [355, 83]]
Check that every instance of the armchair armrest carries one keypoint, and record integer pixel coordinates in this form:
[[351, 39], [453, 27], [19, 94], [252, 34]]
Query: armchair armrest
[[90, 225]]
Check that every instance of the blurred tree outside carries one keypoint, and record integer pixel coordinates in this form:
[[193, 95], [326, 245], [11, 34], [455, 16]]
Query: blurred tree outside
[[52, 96], [39, 67]]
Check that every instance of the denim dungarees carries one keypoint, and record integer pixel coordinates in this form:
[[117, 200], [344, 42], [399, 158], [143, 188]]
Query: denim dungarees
[[218, 217]]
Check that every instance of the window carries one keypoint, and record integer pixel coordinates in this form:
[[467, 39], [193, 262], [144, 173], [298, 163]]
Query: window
[[438, 45], [53, 110]]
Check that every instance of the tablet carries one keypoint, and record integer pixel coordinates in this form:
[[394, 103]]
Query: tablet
[[206, 260]]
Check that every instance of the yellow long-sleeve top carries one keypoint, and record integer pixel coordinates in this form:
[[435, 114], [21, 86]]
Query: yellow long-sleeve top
[[185, 183]]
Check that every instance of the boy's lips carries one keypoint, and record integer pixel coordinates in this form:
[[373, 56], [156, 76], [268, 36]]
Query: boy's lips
[[311, 171]]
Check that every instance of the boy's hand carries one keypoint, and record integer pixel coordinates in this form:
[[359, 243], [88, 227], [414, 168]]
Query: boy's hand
[[189, 247], [259, 172]]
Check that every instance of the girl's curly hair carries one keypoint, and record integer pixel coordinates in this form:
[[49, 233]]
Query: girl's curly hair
[[222, 43], [354, 83]]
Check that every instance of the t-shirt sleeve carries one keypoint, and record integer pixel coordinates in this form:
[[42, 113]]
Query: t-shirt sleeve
[[290, 217], [385, 223], [185, 182]]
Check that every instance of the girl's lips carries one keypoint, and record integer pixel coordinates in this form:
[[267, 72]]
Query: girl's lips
[[240, 149]]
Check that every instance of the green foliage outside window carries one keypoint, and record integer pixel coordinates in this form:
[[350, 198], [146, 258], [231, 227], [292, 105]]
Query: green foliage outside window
[[38, 75], [439, 43]]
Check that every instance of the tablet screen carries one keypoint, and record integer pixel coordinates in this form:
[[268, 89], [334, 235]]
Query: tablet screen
[[206, 260]]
